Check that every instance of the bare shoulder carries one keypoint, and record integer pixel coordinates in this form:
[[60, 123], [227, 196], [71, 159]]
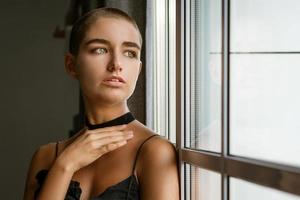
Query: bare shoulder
[[157, 170], [156, 151], [44, 156], [157, 148], [42, 159]]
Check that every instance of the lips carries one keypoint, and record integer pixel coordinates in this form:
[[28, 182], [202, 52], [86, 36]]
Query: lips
[[114, 81]]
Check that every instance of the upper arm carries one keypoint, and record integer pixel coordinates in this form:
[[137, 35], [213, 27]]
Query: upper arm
[[159, 171], [40, 160]]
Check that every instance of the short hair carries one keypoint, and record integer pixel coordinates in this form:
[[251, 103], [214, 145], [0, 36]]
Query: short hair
[[81, 26]]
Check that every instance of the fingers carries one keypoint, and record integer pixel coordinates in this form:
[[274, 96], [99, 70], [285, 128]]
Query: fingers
[[110, 143], [104, 145], [109, 129], [111, 147], [106, 132], [103, 140], [97, 140], [114, 139], [88, 137]]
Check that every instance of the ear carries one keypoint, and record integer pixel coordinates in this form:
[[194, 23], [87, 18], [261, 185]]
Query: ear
[[70, 66], [141, 65]]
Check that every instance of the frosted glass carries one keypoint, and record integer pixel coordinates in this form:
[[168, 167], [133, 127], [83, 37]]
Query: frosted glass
[[206, 73], [264, 25], [240, 189], [201, 184], [265, 107], [206, 103]]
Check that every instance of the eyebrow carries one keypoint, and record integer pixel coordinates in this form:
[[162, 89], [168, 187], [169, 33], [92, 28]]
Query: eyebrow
[[103, 41], [131, 44], [96, 40]]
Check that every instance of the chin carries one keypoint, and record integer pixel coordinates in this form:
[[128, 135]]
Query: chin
[[112, 99], [109, 96]]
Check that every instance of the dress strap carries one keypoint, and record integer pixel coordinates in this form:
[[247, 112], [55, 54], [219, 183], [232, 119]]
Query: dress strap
[[139, 149], [56, 149]]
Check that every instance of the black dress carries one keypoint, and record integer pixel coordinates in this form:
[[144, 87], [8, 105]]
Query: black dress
[[127, 189]]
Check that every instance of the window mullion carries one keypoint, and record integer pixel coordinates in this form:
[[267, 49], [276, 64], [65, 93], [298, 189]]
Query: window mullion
[[225, 95]]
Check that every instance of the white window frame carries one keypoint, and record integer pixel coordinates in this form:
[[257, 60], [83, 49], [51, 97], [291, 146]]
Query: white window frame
[[161, 74]]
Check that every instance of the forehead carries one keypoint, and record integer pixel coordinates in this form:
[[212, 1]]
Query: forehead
[[115, 30]]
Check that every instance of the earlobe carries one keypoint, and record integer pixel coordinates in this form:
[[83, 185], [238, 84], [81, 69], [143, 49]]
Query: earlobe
[[70, 66], [141, 65]]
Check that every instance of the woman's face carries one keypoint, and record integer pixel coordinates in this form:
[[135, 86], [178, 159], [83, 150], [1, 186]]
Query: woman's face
[[108, 62]]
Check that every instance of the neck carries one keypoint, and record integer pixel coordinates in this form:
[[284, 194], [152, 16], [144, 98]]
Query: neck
[[97, 113]]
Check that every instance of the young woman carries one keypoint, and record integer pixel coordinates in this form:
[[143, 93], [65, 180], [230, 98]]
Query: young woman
[[115, 157]]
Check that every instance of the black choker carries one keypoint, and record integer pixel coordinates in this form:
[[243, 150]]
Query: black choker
[[123, 119]]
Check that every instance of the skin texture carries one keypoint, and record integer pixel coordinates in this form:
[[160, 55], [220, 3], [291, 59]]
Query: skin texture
[[103, 157]]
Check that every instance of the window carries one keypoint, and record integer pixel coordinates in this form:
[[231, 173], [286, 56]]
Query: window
[[264, 69], [237, 99], [202, 184], [162, 85], [203, 80], [240, 189]]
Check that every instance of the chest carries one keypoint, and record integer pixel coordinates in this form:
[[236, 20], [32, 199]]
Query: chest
[[110, 175]]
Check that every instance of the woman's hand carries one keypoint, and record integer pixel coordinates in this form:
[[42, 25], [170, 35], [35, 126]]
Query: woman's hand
[[91, 145]]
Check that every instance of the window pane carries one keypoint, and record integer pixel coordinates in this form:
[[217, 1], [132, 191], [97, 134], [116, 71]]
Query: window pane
[[163, 69], [266, 25], [240, 189], [264, 107], [201, 184], [205, 75], [160, 86], [264, 97]]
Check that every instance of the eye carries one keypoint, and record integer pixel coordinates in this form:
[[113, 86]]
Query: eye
[[100, 51], [130, 54]]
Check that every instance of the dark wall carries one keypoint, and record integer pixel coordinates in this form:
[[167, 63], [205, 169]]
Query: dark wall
[[38, 99]]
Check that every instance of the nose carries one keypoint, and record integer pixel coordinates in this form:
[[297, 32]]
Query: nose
[[115, 63]]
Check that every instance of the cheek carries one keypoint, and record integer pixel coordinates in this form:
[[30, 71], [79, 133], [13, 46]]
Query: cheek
[[89, 81], [91, 69], [133, 75], [132, 69]]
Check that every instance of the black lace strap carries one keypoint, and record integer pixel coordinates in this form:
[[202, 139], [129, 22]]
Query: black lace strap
[[138, 151]]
